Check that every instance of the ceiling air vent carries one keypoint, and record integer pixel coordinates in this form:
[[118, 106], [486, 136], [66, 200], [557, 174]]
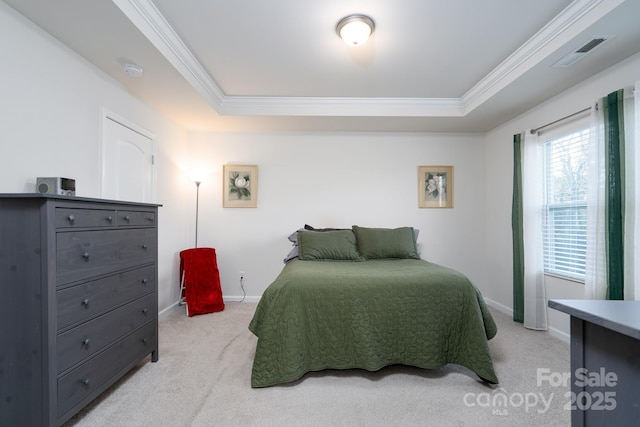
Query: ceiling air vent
[[578, 54]]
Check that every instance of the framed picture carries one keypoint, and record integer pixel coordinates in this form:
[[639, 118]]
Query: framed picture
[[240, 186], [435, 186]]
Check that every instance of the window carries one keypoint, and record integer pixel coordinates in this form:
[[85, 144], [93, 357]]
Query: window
[[564, 214]]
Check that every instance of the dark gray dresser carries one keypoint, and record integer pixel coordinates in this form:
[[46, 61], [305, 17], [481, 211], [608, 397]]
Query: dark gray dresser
[[78, 301]]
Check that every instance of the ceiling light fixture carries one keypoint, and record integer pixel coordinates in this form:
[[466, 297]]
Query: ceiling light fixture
[[355, 30], [132, 69]]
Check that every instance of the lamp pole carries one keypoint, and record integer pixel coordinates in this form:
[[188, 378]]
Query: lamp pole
[[197, 200]]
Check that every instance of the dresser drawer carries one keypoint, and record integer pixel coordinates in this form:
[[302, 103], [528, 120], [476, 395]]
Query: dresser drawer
[[84, 254], [136, 218], [76, 218], [85, 301], [89, 379], [91, 337]]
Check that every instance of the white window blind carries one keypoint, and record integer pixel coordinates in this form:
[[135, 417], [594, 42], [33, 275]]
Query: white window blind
[[565, 204]]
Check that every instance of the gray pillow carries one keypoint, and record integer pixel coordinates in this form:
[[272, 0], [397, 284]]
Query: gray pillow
[[384, 243], [328, 245], [293, 253]]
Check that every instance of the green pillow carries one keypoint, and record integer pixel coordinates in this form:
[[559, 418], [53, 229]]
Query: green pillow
[[377, 243], [330, 245]]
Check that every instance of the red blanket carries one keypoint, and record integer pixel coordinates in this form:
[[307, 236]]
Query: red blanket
[[203, 293]]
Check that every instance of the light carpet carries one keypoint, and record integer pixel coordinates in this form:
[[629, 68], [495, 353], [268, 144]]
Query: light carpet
[[203, 378]]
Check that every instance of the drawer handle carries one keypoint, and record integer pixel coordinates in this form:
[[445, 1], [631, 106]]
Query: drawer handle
[[71, 218], [144, 341], [85, 302], [85, 381], [127, 218], [85, 342], [85, 255], [144, 311], [144, 281], [109, 218], [150, 219], [145, 247]]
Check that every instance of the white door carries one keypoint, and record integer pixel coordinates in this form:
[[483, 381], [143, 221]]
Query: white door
[[128, 170]]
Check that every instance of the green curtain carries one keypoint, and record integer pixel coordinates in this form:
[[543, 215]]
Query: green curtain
[[614, 192], [516, 228]]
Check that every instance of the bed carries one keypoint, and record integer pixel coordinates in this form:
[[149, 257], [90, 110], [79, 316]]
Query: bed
[[363, 298]]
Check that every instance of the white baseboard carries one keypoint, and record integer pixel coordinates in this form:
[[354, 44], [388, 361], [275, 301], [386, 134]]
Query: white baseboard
[[500, 307], [166, 310], [554, 332], [562, 336], [225, 299], [241, 299]]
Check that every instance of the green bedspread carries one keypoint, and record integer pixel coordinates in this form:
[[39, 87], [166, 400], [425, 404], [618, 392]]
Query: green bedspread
[[370, 314]]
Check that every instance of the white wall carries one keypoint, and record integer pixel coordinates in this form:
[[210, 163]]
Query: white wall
[[337, 180], [50, 111], [51, 108], [499, 167]]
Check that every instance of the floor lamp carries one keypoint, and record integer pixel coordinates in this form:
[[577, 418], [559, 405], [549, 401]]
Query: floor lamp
[[197, 200]]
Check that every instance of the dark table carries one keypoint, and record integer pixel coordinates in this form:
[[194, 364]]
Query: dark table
[[605, 361]]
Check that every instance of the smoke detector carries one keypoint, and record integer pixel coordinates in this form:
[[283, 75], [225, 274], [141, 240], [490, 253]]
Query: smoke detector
[[132, 70]]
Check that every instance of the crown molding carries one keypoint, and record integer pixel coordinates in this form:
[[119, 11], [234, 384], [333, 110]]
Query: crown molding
[[338, 106], [153, 25], [574, 19], [570, 22]]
